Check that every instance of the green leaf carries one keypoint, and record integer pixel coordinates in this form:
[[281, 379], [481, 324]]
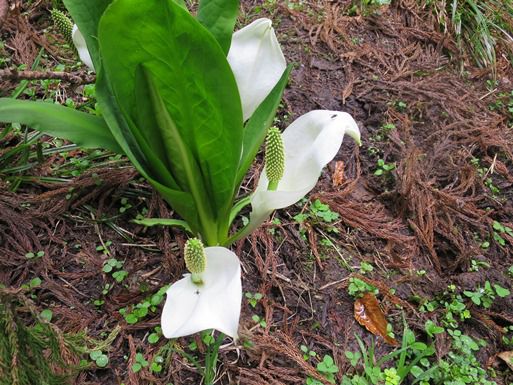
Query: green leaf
[[47, 315], [181, 201], [256, 128], [219, 17], [95, 354], [163, 222], [501, 291], [84, 129], [153, 338], [102, 361], [192, 75]]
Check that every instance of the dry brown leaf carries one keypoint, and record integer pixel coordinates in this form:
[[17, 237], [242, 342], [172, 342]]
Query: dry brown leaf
[[507, 357], [368, 314], [338, 174]]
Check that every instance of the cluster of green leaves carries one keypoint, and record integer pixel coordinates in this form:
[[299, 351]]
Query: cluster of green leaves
[[140, 362], [357, 288], [253, 298], [114, 267], [99, 358], [307, 352], [139, 311], [327, 368], [168, 101], [383, 168], [484, 296], [498, 232], [460, 364], [407, 360], [317, 213]]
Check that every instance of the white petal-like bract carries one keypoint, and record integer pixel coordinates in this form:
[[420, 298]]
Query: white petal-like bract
[[81, 46], [215, 304], [310, 143], [257, 62]]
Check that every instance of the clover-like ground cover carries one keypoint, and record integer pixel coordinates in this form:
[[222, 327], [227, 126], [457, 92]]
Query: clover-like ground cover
[[428, 231]]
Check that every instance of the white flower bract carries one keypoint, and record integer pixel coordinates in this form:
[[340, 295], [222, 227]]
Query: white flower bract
[[81, 46], [257, 62], [310, 143], [215, 304]]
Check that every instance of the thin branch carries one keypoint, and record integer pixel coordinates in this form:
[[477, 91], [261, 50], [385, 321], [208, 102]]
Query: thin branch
[[75, 78]]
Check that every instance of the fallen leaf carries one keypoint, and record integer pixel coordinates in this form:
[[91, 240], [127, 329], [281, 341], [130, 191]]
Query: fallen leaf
[[338, 174], [507, 357], [368, 314]]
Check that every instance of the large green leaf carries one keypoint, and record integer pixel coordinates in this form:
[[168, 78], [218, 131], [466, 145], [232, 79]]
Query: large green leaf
[[185, 168], [84, 129], [181, 201], [192, 76], [219, 17], [86, 14], [256, 127]]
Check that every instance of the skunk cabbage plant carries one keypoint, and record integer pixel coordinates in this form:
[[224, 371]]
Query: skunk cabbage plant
[[190, 103]]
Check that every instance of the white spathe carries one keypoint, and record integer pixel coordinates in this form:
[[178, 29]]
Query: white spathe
[[257, 62], [81, 46], [310, 143], [215, 304]]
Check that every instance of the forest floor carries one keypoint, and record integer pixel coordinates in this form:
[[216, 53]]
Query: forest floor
[[421, 215]]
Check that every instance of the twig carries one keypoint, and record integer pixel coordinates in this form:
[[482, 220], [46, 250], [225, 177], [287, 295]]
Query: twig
[[75, 78]]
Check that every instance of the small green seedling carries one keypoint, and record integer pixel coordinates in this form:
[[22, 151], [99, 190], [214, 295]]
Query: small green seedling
[[307, 353], [485, 296], [154, 337], [499, 231], [120, 275], [365, 268], [136, 313], [318, 212], [111, 264], [253, 298], [156, 364], [101, 360], [475, 265], [32, 255], [140, 362], [328, 368], [47, 315], [353, 357], [104, 248], [357, 288], [383, 168], [391, 377], [432, 329], [259, 320], [125, 205], [32, 284]]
